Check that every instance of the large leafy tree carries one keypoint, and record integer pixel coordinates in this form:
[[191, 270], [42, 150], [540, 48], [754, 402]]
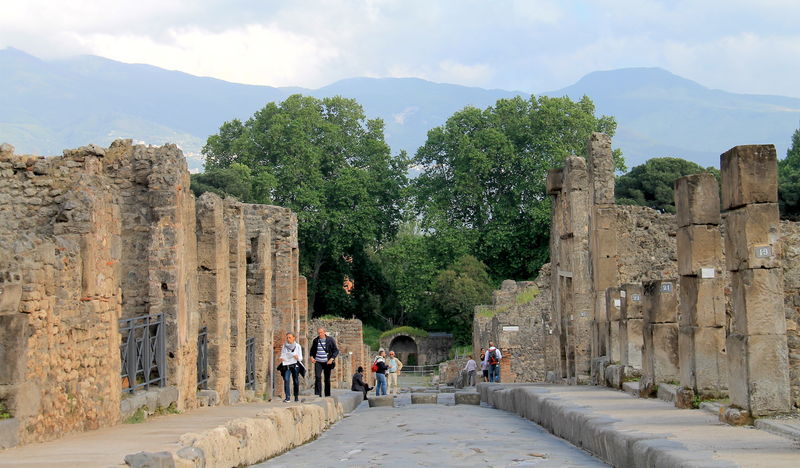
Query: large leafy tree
[[789, 179], [652, 183], [482, 187], [455, 293], [331, 165]]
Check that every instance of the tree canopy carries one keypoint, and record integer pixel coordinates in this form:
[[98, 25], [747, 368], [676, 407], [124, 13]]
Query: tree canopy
[[456, 292], [789, 179], [331, 165], [482, 187], [652, 183]]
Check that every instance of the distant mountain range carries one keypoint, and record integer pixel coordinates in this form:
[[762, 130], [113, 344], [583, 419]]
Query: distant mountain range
[[46, 106]]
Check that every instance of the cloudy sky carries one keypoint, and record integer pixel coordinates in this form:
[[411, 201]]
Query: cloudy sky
[[526, 45]]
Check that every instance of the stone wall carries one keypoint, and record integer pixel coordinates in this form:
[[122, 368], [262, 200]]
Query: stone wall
[[349, 336], [430, 349], [790, 232], [98, 236]]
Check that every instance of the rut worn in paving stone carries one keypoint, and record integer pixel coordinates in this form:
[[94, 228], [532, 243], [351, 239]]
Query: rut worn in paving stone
[[435, 436]]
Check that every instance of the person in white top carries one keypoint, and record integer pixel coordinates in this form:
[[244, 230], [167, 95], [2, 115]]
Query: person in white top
[[291, 358], [470, 368]]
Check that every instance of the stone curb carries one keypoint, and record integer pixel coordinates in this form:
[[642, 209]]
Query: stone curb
[[781, 428], [423, 398], [594, 432], [246, 441]]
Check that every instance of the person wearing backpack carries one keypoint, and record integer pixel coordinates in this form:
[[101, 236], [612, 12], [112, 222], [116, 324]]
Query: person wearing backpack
[[379, 367], [493, 357]]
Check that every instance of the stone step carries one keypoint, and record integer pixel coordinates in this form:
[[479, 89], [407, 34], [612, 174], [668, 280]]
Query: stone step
[[424, 398], [381, 401]]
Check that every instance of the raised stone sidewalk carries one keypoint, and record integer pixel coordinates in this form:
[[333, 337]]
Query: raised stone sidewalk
[[231, 436], [638, 432]]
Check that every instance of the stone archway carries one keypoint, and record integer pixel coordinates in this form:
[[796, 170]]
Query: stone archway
[[406, 349]]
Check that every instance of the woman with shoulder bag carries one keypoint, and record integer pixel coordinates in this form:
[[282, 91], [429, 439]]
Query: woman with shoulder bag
[[380, 373], [291, 360]]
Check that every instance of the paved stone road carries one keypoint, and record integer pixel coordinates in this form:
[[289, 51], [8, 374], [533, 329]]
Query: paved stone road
[[434, 436]]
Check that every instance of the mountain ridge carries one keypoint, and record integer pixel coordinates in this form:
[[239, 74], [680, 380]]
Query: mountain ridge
[[49, 105]]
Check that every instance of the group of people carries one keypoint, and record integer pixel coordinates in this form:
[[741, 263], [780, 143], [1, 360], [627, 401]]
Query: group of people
[[490, 365], [323, 354], [386, 370]]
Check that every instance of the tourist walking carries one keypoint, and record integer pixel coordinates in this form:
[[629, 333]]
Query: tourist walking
[[323, 352], [358, 384], [493, 357], [395, 366], [379, 367], [291, 360], [470, 368], [484, 366]]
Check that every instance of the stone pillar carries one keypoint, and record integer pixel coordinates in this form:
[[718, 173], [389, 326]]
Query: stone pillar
[[613, 306], [237, 258], [703, 363], [603, 235], [757, 345], [302, 294], [660, 353], [259, 311], [213, 285], [631, 325]]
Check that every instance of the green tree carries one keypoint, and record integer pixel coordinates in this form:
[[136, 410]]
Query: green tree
[[789, 179], [456, 292], [328, 163], [482, 189], [652, 183]]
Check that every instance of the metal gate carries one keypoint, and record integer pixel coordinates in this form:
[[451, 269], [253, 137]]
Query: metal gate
[[143, 352], [250, 364], [202, 358]]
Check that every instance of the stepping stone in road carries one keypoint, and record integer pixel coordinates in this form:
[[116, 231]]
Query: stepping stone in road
[[468, 398], [383, 400], [423, 398]]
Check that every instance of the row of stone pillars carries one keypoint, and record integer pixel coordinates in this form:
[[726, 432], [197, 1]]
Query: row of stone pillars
[[671, 324]]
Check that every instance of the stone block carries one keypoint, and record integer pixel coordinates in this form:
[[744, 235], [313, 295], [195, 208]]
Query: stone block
[[614, 341], [635, 342], [752, 237], [699, 246], [576, 178], [660, 301], [555, 179], [710, 362], [758, 307], [13, 340], [615, 375], [665, 352], [686, 356], [423, 398], [631, 296], [468, 398], [150, 460], [601, 168], [10, 294], [702, 302], [208, 397], [684, 398], [167, 395], [697, 200], [613, 303], [380, 401], [749, 175], [735, 416], [759, 373], [9, 433]]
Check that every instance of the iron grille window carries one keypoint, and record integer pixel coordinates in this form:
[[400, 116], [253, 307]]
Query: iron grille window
[[202, 358], [250, 364], [143, 352]]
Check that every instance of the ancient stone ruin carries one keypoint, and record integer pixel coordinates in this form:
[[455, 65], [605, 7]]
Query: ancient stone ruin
[[706, 300], [120, 292]]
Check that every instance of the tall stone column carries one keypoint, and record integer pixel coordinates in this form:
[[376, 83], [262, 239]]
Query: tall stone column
[[703, 363], [213, 285], [259, 310], [613, 306], [757, 347], [603, 236], [237, 265], [660, 353], [631, 325]]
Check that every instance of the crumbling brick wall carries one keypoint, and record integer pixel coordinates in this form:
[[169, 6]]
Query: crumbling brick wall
[[103, 234], [349, 336], [790, 232]]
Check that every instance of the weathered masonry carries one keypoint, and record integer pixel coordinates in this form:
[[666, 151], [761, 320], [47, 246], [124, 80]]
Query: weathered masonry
[[119, 290], [706, 298]]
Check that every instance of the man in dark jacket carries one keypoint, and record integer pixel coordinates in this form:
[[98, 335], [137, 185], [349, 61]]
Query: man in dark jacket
[[323, 352]]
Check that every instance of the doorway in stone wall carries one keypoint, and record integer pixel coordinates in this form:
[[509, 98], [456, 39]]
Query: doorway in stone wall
[[406, 349]]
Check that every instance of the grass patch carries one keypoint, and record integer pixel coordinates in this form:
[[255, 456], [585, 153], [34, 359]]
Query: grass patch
[[632, 379], [372, 336], [138, 417], [330, 317], [485, 312], [410, 331], [171, 409], [463, 350], [4, 412], [527, 295]]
